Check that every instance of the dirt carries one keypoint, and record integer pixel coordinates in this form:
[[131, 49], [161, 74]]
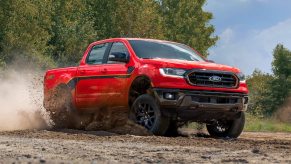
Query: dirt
[[21, 108], [21, 96], [284, 112], [73, 146]]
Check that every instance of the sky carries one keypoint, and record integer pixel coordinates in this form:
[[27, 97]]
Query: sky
[[249, 30]]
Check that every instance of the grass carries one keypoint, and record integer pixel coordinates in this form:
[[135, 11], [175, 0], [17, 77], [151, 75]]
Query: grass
[[256, 124]]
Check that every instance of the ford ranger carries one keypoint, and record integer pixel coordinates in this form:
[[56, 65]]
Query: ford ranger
[[161, 84]]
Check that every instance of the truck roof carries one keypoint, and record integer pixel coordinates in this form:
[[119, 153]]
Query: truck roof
[[145, 39]]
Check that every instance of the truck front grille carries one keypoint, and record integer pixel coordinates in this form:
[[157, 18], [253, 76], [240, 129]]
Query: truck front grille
[[212, 79]]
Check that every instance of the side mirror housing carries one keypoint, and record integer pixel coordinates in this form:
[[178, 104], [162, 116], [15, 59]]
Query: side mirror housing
[[119, 57]]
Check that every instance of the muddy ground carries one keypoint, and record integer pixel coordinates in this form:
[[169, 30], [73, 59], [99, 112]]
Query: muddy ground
[[72, 146], [21, 108]]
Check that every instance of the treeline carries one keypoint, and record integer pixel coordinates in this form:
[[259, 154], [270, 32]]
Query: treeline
[[268, 92], [55, 32]]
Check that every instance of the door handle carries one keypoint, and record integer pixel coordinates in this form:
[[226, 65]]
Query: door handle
[[82, 72], [104, 70]]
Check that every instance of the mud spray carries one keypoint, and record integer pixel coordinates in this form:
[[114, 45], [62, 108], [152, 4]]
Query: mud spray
[[21, 107], [21, 101], [284, 113]]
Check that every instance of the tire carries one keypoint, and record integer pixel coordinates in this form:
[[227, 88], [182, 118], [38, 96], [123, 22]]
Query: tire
[[227, 129], [62, 112], [146, 112]]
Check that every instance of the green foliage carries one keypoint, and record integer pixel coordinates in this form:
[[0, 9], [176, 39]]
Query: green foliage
[[177, 20], [281, 85], [71, 31], [123, 18], [186, 22], [259, 85], [265, 125], [55, 33], [139, 18], [282, 62], [4, 8], [101, 14], [268, 92], [25, 36]]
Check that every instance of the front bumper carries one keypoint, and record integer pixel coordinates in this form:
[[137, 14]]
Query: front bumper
[[192, 102]]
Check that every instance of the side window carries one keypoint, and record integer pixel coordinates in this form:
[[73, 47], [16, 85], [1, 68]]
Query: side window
[[117, 47], [97, 53]]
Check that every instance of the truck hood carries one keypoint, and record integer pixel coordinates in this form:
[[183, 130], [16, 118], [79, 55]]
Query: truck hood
[[175, 63]]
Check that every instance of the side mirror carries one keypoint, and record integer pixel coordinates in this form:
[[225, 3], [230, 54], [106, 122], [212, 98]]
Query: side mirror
[[119, 57], [210, 61]]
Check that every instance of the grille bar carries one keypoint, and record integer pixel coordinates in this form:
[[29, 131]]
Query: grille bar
[[212, 79], [216, 100]]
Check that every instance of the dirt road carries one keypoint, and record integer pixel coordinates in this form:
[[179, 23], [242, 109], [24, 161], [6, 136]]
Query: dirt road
[[43, 146]]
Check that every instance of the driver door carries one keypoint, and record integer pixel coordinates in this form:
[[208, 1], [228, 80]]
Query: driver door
[[90, 86], [115, 87]]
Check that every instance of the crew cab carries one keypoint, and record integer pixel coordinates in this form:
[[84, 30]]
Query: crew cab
[[161, 84]]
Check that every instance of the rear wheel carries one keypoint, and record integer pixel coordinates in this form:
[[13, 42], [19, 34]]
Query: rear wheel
[[61, 110], [146, 113], [227, 128]]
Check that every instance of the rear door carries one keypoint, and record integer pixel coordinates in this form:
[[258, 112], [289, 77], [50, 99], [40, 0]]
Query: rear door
[[89, 94]]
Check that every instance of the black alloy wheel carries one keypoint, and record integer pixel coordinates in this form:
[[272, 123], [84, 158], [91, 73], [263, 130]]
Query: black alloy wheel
[[145, 112]]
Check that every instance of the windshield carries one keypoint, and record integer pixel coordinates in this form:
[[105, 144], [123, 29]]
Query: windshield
[[166, 50]]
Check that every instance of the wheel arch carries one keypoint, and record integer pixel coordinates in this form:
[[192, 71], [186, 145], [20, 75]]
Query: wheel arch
[[142, 84], [50, 98]]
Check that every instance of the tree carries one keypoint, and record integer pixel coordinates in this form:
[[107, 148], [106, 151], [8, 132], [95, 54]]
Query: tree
[[281, 85], [259, 84], [186, 22], [101, 13], [71, 31], [268, 92], [25, 34], [4, 7], [123, 18], [139, 18], [282, 61], [55, 32]]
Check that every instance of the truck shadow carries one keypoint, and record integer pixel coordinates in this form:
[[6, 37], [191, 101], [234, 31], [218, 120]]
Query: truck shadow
[[109, 133]]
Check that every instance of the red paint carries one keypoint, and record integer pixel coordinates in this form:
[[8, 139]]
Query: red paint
[[101, 92]]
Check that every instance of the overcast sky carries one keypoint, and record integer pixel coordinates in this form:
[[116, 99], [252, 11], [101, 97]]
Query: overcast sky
[[249, 30]]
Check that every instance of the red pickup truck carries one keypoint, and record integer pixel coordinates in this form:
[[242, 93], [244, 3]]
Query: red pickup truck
[[161, 84]]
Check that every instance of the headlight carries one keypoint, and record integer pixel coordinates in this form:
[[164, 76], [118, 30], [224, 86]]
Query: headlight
[[172, 72], [241, 76]]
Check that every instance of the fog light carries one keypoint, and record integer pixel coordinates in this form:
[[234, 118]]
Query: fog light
[[169, 96], [246, 100]]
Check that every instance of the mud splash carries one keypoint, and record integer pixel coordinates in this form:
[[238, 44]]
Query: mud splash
[[116, 121], [21, 101], [284, 113], [21, 107]]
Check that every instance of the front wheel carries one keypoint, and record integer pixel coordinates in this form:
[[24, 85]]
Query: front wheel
[[230, 128], [146, 113]]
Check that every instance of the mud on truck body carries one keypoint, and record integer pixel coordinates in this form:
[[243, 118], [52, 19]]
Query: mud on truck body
[[162, 85]]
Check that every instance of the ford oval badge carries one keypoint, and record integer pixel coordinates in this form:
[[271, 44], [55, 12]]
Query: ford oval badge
[[215, 78]]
